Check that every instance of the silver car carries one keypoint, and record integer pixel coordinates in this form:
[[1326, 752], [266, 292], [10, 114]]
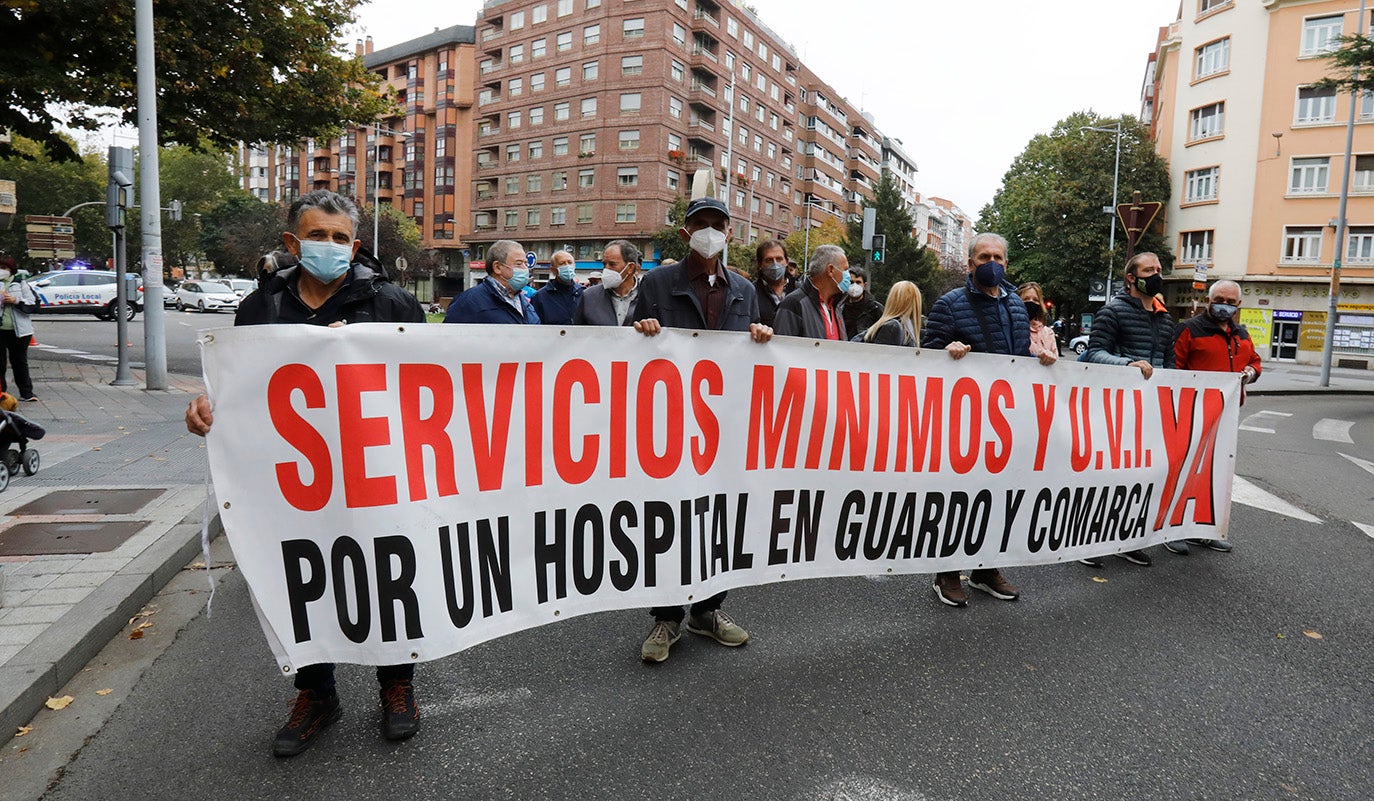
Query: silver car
[[206, 296]]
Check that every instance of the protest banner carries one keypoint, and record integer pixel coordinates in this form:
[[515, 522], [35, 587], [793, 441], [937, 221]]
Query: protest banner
[[399, 493]]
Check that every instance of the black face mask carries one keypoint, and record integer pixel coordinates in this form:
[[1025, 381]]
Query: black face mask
[[1150, 285]]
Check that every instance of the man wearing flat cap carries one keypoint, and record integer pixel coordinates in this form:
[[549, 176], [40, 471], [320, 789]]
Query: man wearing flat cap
[[697, 293]]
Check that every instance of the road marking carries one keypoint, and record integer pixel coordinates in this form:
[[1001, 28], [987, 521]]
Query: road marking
[[1250, 495], [1250, 423], [1369, 466], [55, 349], [1368, 529], [1333, 430]]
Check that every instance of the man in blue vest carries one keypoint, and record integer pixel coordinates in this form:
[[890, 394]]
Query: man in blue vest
[[499, 298]]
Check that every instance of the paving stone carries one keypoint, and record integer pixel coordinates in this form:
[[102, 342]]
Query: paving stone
[[21, 635], [27, 615]]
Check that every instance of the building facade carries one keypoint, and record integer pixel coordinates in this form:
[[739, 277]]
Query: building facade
[[1257, 159]]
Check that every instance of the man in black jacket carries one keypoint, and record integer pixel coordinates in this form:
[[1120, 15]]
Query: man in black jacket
[[816, 310], [327, 288], [861, 309], [697, 293], [771, 281]]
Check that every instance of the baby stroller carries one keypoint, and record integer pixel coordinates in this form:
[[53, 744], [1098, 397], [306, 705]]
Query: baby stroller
[[15, 432]]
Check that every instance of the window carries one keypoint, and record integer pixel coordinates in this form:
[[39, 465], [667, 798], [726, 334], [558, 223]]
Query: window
[[1201, 185], [1203, 6], [677, 72], [631, 65], [629, 103], [584, 213], [537, 115], [565, 7], [512, 120], [482, 219], [560, 145], [1367, 105], [1195, 246], [1360, 245], [538, 48], [536, 150], [732, 27], [590, 70], [674, 142], [745, 72], [537, 82], [758, 143], [679, 35], [1302, 243], [1319, 35], [562, 77], [558, 215], [748, 40], [534, 183], [627, 176], [517, 20], [739, 197], [591, 34], [564, 41], [629, 140], [633, 28], [1309, 176], [517, 54], [531, 217], [588, 107], [561, 111], [512, 218], [1213, 58], [515, 86], [593, 4], [585, 180], [586, 144], [625, 212], [1363, 178], [539, 14], [512, 153], [1315, 105], [1207, 122], [675, 108], [674, 179], [558, 181]]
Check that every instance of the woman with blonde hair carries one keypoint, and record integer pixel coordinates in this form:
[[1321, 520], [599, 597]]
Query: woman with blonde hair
[[1042, 339], [900, 323]]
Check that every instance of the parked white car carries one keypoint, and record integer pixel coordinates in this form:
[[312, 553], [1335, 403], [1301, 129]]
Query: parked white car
[[241, 286], [206, 296]]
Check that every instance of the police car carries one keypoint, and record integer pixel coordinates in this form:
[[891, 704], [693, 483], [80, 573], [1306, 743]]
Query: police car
[[84, 292]]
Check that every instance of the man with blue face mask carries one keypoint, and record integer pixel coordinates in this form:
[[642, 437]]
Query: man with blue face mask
[[500, 298], [985, 315], [1215, 341], [816, 309], [557, 300], [328, 289]]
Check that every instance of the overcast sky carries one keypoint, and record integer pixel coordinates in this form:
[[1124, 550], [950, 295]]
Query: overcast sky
[[963, 84]]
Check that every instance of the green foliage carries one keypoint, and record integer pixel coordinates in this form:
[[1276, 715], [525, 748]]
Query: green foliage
[[1356, 53], [200, 181], [397, 235], [238, 230], [43, 186], [830, 231], [1050, 206], [906, 259], [228, 71], [666, 239]]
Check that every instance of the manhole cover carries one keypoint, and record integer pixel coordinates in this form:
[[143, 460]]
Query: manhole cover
[[33, 539], [90, 502]]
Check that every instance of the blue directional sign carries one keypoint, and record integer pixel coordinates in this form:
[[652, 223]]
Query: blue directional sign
[[530, 258]]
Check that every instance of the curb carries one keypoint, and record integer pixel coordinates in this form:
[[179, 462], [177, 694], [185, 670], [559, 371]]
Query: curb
[[1313, 391], [60, 652]]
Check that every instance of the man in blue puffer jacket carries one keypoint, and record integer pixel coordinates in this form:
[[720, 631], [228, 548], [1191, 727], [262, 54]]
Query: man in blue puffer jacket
[[985, 316]]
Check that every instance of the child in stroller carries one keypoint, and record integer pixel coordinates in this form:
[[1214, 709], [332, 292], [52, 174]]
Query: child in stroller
[[15, 432]]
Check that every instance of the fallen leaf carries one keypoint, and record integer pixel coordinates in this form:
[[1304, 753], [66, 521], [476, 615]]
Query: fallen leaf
[[103, 692], [23, 730], [1099, 580], [1313, 634], [59, 703], [1280, 636], [95, 449], [122, 428]]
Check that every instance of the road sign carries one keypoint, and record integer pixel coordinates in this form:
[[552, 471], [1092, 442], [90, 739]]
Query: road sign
[[43, 219], [1097, 290], [1200, 275], [530, 259], [48, 237], [1136, 217]]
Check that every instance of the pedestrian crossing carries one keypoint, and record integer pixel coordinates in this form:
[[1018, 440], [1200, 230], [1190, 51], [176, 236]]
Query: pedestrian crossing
[[81, 354]]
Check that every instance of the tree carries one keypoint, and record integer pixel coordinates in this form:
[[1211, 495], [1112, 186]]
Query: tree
[[830, 231], [238, 230], [397, 236], [906, 259], [46, 187], [1352, 66], [666, 239], [1050, 206], [200, 181], [228, 71]]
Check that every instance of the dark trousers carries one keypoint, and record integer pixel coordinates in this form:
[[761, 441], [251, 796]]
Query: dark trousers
[[675, 614], [320, 677], [15, 350]]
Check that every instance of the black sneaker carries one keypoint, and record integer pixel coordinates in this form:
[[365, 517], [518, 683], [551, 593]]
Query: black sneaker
[[1217, 545], [311, 713], [1136, 557], [1179, 547], [400, 713], [1091, 561]]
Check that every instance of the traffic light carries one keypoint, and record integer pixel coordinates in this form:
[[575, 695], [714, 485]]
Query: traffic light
[[879, 246], [174, 210], [119, 186]]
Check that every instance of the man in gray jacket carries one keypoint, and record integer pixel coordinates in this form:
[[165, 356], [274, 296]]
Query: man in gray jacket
[[611, 301], [1136, 330]]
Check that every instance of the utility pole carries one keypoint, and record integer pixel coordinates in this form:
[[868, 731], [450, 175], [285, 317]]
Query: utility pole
[[154, 334]]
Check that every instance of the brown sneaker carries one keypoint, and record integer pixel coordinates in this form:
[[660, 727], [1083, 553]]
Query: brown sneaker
[[950, 589], [994, 583]]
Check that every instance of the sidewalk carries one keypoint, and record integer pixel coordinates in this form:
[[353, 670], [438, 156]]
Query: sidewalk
[[59, 609], [1284, 378]]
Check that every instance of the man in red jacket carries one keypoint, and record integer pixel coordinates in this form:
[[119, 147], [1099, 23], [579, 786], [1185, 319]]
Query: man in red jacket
[[1216, 342]]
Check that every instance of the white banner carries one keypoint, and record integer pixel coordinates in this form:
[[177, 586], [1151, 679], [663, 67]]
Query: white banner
[[399, 493]]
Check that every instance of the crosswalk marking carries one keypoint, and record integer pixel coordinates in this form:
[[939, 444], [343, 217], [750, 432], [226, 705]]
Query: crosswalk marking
[[1253, 423], [1333, 430], [1368, 466], [1250, 495], [1368, 529]]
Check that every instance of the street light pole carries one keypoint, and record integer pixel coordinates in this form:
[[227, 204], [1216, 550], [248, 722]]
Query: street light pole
[[1116, 180]]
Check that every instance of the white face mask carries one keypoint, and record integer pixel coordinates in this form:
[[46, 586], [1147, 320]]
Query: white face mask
[[4, 275], [611, 279], [707, 242], [856, 291]]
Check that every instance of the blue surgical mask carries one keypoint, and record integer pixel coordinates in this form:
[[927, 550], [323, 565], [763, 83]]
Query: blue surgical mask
[[1222, 311], [990, 274], [325, 261], [567, 273], [519, 279], [844, 282]]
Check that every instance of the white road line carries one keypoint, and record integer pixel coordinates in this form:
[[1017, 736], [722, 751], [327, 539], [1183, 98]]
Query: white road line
[[1260, 430], [1366, 528], [1333, 430], [96, 357], [55, 349], [1253, 423], [1369, 466], [1250, 495]]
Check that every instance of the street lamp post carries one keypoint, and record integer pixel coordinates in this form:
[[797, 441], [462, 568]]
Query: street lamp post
[[1116, 179], [806, 246], [377, 131]]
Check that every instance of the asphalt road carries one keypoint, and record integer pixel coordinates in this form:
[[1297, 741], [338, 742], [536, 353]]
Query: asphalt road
[[86, 335], [1211, 676]]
